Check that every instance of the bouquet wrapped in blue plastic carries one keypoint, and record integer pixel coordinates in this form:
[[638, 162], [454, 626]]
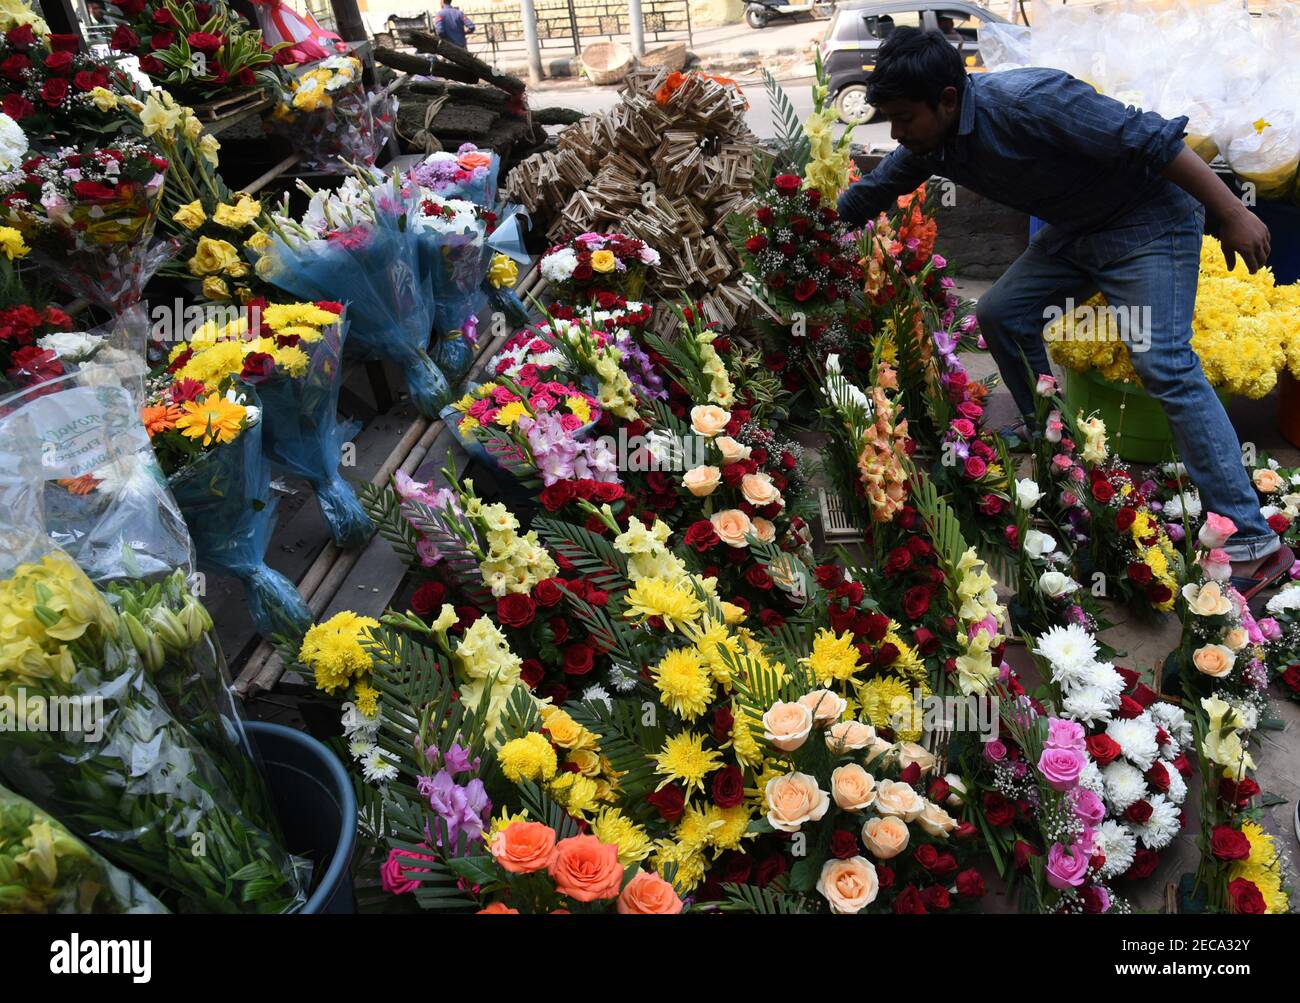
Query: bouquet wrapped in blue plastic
[[469, 174], [355, 245], [300, 431]]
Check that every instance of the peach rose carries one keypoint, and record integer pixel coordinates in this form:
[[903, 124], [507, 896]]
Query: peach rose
[[709, 420], [936, 821], [911, 752], [523, 847], [702, 481], [848, 885], [1207, 599], [852, 787], [498, 909], [885, 837], [471, 159], [1267, 481], [877, 748], [731, 450], [759, 490], [786, 725], [732, 526], [849, 736], [893, 797], [586, 869], [763, 529], [793, 800], [648, 894], [1237, 638], [1215, 660], [826, 707]]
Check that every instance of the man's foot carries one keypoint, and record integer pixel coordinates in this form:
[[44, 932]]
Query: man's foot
[[1252, 577]]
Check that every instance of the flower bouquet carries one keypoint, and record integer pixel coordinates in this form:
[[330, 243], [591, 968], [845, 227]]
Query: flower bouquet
[[197, 49], [53, 90], [591, 262], [90, 216], [123, 774], [358, 245], [209, 444], [327, 114], [469, 174], [45, 869], [29, 348]]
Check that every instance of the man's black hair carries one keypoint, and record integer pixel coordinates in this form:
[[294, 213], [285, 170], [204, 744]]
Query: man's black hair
[[915, 65]]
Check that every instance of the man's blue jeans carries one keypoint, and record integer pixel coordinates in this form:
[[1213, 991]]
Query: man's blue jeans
[[1161, 276]]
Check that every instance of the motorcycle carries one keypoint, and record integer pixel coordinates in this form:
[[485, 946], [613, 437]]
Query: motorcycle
[[759, 13]]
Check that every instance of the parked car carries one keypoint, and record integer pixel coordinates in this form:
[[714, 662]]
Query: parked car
[[858, 29]]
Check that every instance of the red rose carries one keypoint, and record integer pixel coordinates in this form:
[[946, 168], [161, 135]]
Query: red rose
[[1181, 763], [1093, 903], [163, 18], [805, 289], [758, 577], [702, 536], [532, 672], [246, 77], [516, 610], [770, 869], [926, 641], [936, 897], [20, 36], [669, 801], [1144, 864], [85, 81], [1228, 843], [965, 830], [258, 366], [59, 62], [1246, 897], [844, 844], [771, 619], [1124, 518], [1292, 677], [152, 65], [765, 215], [970, 885], [1128, 708], [14, 67], [53, 91], [1158, 778], [756, 243], [466, 616], [990, 505], [787, 184], [205, 42], [547, 592], [1139, 812], [1022, 852], [728, 787], [202, 10], [1102, 491], [875, 627], [1158, 594], [945, 866], [124, 39], [578, 659], [161, 40], [737, 868], [776, 280], [938, 790], [898, 560], [916, 601], [1138, 573], [555, 496], [607, 491], [428, 597], [63, 43], [909, 902], [1278, 523], [998, 810]]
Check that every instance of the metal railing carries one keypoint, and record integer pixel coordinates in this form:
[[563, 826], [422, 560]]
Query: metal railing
[[569, 26]]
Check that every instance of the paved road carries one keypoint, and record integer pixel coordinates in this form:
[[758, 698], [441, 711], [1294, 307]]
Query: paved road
[[596, 99]]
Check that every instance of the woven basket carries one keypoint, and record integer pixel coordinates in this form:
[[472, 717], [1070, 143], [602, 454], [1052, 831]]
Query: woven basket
[[672, 56], [606, 62]]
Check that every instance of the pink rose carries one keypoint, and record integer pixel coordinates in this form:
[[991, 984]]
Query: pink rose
[[995, 751], [1066, 868], [1216, 531], [1062, 734], [1269, 628], [963, 427], [1062, 463], [1061, 767], [1088, 807]]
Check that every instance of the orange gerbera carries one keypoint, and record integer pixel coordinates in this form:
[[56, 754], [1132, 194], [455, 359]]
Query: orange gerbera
[[160, 418], [212, 420], [82, 485]]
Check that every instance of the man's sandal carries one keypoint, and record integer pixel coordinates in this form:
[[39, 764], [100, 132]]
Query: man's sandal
[[1274, 567]]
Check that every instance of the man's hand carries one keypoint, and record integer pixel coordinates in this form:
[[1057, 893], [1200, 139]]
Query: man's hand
[[1244, 233]]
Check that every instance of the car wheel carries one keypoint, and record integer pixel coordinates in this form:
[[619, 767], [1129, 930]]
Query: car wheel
[[851, 104], [756, 18]]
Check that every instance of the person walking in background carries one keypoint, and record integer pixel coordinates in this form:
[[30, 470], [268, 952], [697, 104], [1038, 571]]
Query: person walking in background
[[452, 24]]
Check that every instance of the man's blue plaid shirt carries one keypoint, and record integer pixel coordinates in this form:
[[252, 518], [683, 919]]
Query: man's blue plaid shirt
[[1040, 141]]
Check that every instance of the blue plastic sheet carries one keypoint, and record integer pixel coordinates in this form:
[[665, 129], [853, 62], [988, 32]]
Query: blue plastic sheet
[[226, 499], [300, 434]]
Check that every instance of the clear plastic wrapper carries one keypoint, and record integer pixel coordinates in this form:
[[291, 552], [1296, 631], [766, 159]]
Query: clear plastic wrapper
[[113, 276], [46, 870], [1265, 153], [1004, 46], [459, 265], [300, 434], [95, 744], [225, 496], [469, 173]]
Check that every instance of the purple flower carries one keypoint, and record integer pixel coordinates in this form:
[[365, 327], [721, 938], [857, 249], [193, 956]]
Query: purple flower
[[457, 760], [462, 809], [1066, 868], [939, 262], [1061, 767]]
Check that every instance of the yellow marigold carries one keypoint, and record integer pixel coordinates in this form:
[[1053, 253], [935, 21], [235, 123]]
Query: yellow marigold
[[528, 758]]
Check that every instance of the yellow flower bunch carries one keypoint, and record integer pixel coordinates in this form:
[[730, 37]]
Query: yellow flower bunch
[[1223, 743], [828, 163], [503, 271], [313, 90], [613, 827], [887, 702], [219, 350], [647, 551], [486, 665], [721, 390], [834, 657], [512, 563], [336, 650], [1263, 868], [12, 245], [1244, 330]]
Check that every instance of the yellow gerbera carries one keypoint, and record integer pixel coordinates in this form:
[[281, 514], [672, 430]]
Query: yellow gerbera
[[212, 420]]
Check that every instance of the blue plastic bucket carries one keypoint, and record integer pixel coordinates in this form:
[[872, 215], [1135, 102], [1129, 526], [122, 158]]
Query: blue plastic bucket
[[317, 808]]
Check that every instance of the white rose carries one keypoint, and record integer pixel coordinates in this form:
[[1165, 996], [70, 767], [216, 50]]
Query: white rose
[[1055, 584], [1038, 544], [1028, 493]]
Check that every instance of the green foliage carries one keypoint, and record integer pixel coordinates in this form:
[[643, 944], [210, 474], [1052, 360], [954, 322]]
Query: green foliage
[[594, 557], [792, 146], [384, 507], [773, 900], [626, 740]]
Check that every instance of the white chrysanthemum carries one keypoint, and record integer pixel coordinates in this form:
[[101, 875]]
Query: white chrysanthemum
[[13, 143], [623, 679], [1102, 676], [1160, 829], [1137, 739], [1177, 792], [131, 475], [1173, 719], [378, 768], [1117, 845], [1124, 785], [1067, 648], [592, 694], [559, 266], [1090, 779], [1088, 705], [360, 749], [1189, 502]]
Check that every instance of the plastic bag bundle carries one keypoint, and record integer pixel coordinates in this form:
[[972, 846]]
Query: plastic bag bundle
[[104, 499], [94, 743], [225, 496], [328, 116], [300, 434], [1004, 46], [1069, 39], [356, 246], [1266, 154], [45, 869]]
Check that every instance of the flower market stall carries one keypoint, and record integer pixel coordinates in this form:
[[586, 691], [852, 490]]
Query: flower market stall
[[505, 485]]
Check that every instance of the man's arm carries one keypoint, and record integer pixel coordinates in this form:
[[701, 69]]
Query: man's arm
[[1240, 230], [469, 25], [437, 24], [898, 174]]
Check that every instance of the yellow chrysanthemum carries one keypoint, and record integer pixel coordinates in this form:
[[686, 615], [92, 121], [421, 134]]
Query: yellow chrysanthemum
[[686, 864], [683, 683], [887, 703], [510, 414], [833, 657], [12, 244], [684, 758], [674, 602], [613, 827], [574, 792], [335, 652], [528, 758], [367, 699]]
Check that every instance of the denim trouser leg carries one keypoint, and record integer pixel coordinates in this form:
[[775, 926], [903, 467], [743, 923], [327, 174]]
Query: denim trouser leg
[[1012, 315], [1158, 283]]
